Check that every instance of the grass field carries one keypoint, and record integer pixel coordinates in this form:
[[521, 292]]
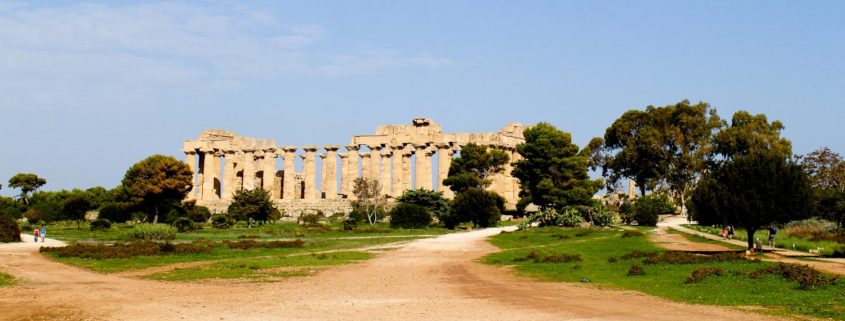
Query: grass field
[[6, 279], [601, 264], [783, 239]]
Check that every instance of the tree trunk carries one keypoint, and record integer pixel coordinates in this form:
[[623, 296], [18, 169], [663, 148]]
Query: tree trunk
[[750, 237], [642, 188]]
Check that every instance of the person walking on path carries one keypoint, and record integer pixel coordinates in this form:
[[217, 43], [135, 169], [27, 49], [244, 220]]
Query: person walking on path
[[773, 231], [43, 233], [35, 234], [730, 232]]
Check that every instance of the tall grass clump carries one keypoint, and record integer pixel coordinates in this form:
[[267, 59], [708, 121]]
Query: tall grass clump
[[152, 232]]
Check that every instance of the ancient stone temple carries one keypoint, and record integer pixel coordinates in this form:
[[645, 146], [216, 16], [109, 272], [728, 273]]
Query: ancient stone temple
[[400, 157]]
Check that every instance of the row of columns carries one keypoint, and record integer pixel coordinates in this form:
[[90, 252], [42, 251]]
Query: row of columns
[[390, 165]]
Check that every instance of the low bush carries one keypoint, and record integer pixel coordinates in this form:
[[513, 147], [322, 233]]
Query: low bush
[[371, 230], [699, 274], [646, 210], [252, 244], [602, 216], [631, 233], [311, 218], [127, 250], [543, 258], [807, 277], [152, 232], [637, 254], [9, 229], [199, 214], [407, 215], [583, 233], [222, 221], [100, 224], [183, 224], [636, 270], [249, 236], [349, 224]]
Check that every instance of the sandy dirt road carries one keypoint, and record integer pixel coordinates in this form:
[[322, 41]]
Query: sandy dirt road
[[428, 279]]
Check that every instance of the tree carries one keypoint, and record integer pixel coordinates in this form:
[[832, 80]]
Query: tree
[[750, 134], [752, 191], [368, 198], [474, 166], [407, 215], [27, 182], [668, 144], [251, 205], [74, 208], [155, 183], [553, 172], [825, 168], [482, 208], [432, 201]]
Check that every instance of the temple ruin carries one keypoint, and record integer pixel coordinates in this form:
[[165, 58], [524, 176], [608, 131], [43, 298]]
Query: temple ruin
[[400, 157]]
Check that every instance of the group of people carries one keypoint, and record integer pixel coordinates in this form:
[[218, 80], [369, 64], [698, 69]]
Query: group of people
[[42, 233], [728, 232]]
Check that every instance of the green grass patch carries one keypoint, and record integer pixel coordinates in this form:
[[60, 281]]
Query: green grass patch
[[6, 279], [783, 239], [219, 252], [608, 260], [262, 269]]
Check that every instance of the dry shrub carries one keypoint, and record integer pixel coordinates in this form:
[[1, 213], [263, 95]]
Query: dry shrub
[[699, 274], [678, 257], [561, 236], [583, 233], [542, 258], [101, 251], [636, 254], [635, 270], [807, 277], [631, 233], [251, 244], [371, 230]]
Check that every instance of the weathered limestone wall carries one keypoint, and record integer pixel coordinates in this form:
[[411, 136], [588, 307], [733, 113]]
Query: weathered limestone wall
[[250, 163]]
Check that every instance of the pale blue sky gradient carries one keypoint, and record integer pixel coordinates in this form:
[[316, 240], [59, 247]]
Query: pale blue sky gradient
[[87, 89]]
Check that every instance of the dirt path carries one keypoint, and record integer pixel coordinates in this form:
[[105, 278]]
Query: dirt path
[[677, 242], [428, 279]]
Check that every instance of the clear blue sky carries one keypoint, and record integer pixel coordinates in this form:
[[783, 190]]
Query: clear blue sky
[[87, 89]]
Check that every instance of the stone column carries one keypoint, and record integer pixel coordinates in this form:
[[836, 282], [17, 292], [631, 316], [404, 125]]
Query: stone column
[[191, 159], [507, 181], [406, 168], [353, 170], [375, 163], [229, 175], [208, 174], [288, 181], [269, 170], [249, 169], [344, 173], [396, 170], [384, 180], [309, 171], [330, 168], [427, 168], [419, 176], [444, 161], [366, 165], [632, 189]]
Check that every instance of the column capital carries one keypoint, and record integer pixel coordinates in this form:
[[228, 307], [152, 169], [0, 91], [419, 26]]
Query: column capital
[[289, 149], [343, 155], [364, 155], [352, 147], [420, 146], [443, 145], [190, 151], [376, 148], [387, 152], [397, 146], [322, 155], [309, 148], [331, 148], [206, 150]]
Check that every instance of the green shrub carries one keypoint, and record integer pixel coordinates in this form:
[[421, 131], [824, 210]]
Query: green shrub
[[114, 212], [626, 213], [311, 218], [199, 214], [100, 224], [183, 224], [152, 232], [9, 229], [807, 277], [432, 201], [602, 216], [631, 233], [349, 224], [646, 210], [222, 221], [543, 258], [482, 208], [407, 215]]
